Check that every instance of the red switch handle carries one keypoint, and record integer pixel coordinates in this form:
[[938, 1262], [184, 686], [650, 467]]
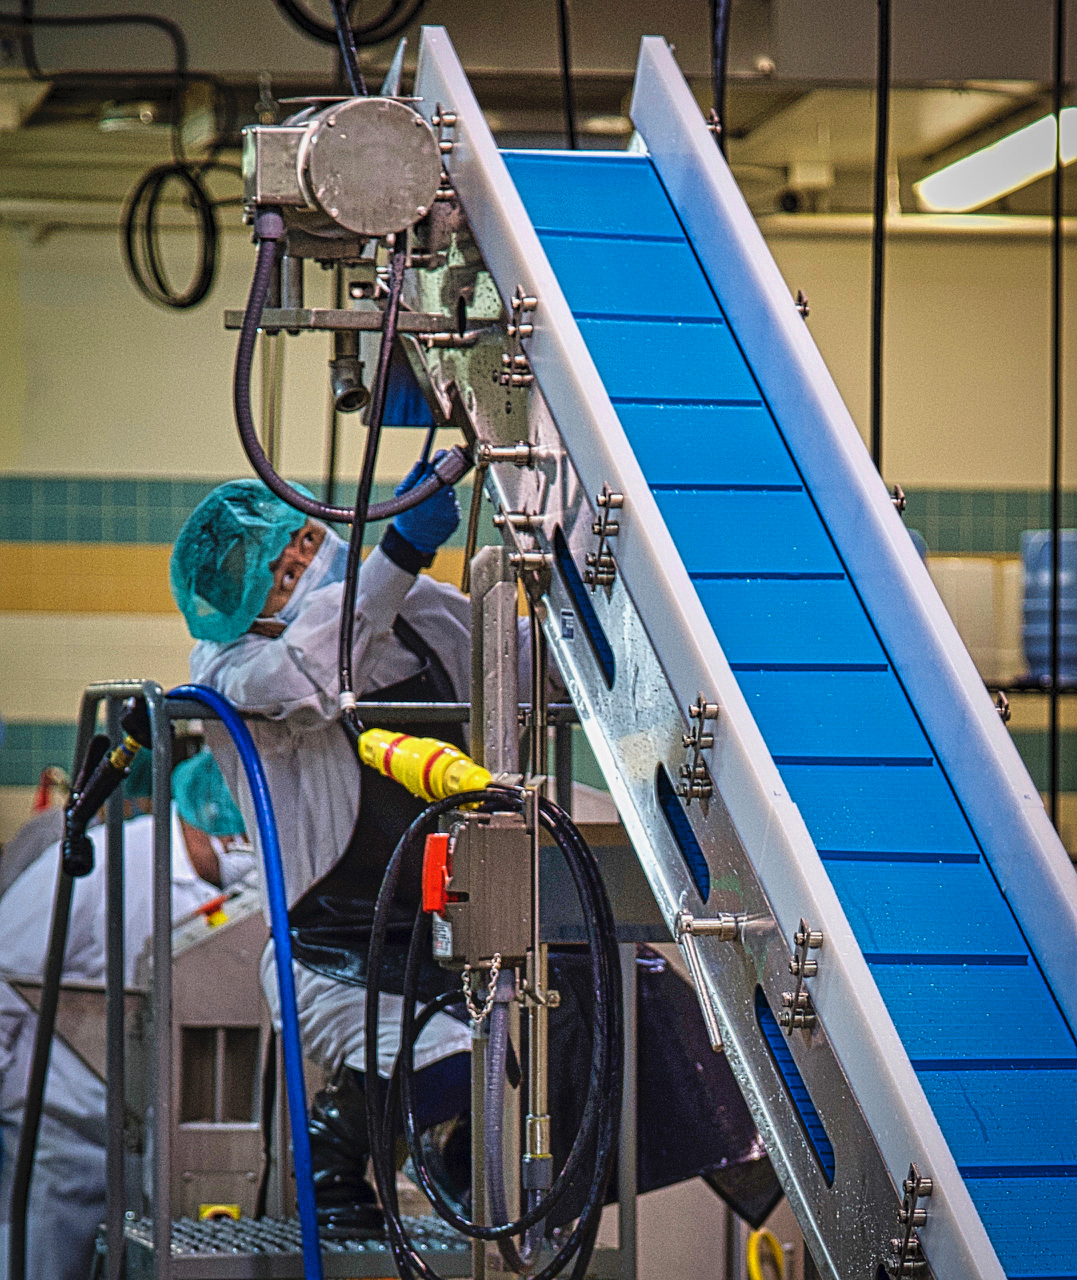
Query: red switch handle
[[436, 871]]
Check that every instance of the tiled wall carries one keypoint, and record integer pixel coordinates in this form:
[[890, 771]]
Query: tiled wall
[[88, 556], [982, 521]]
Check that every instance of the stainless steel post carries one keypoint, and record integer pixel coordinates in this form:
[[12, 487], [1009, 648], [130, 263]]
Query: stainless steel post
[[627, 1225], [478, 1155], [115, 1201], [538, 1157], [495, 732], [163, 1105], [736, 1243], [562, 754]]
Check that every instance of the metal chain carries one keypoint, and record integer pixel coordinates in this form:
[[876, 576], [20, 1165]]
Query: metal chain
[[477, 1014]]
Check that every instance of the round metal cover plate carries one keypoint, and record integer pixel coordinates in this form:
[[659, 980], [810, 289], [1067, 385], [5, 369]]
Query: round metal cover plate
[[374, 165]]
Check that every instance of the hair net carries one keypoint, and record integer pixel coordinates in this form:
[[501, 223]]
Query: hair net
[[219, 572], [138, 785], [203, 799]]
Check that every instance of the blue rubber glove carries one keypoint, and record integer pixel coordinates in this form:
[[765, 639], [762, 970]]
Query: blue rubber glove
[[433, 522]]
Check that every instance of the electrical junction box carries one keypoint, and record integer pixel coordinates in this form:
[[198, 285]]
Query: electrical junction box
[[477, 885]]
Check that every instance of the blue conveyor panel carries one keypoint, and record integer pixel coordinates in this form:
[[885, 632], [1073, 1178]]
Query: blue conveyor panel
[[996, 1057]]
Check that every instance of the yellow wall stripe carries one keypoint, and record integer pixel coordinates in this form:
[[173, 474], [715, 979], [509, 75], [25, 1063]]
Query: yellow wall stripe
[[111, 577]]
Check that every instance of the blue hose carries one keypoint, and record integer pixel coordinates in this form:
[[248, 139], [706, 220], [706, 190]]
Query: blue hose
[[282, 944]]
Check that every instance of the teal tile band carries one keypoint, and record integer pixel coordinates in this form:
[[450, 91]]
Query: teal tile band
[[28, 748], [94, 509], [981, 521]]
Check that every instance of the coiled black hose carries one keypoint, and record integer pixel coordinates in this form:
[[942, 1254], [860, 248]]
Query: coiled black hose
[[142, 255], [596, 1138], [269, 229], [390, 22]]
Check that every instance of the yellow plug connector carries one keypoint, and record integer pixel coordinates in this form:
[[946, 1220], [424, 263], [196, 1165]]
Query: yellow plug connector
[[428, 768]]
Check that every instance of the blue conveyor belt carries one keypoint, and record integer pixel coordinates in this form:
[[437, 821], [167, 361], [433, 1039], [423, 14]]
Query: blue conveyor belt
[[996, 1058]]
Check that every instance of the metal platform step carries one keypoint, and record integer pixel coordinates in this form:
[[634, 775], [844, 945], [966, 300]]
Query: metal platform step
[[270, 1249]]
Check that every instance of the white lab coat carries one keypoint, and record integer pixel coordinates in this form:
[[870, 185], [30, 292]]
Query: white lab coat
[[67, 1193], [311, 768], [292, 681]]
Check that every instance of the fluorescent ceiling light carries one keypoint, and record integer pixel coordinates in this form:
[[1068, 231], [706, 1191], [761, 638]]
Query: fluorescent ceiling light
[[993, 172]]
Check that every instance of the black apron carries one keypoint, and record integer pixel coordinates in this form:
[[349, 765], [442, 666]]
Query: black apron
[[692, 1118], [330, 924]]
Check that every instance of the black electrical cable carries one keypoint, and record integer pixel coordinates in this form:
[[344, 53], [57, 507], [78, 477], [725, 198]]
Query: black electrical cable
[[375, 413], [142, 253], [39, 1069], [568, 89], [607, 1037], [269, 230], [99, 774], [878, 227], [720, 11], [349, 55], [597, 1135], [396, 16], [1058, 91]]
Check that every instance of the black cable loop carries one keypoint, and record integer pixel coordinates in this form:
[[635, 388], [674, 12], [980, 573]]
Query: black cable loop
[[597, 1136], [140, 228], [396, 16], [448, 471]]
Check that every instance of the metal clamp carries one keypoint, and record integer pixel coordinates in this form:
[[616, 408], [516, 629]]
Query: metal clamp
[[724, 926], [521, 454], [601, 569], [516, 371], [445, 123], [797, 1011], [695, 781], [530, 561], [516, 520], [908, 1254], [523, 304]]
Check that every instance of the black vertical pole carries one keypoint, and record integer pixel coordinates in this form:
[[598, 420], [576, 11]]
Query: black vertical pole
[[878, 227], [1056, 401], [116, 1199], [568, 89], [720, 11]]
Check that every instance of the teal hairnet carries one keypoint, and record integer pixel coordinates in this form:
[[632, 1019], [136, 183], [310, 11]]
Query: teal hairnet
[[203, 799], [138, 785], [219, 571]]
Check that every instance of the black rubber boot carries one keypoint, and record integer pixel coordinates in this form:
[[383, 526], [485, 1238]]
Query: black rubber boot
[[347, 1205], [447, 1152]]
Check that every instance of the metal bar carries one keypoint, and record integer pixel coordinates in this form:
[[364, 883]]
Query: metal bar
[[161, 996], [627, 1223], [114, 1018], [735, 1246], [391, 713], [568, 90], [1058, 89], [562, 756], [878, 229], [331, 320], [478, 1156]]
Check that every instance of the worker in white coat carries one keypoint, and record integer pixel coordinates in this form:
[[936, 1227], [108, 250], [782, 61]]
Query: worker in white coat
[[67, 1190], [261, 588]]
